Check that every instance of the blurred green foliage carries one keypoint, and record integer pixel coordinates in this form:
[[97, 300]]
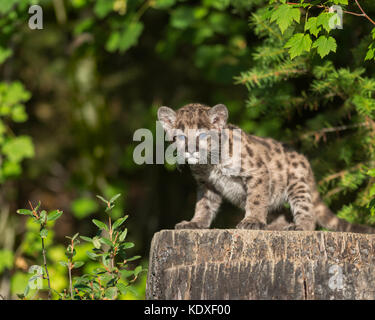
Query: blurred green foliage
[[110, 279], [72, 95]]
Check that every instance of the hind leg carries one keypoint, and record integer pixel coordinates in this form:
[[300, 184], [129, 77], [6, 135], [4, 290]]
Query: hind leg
[[299, 198]]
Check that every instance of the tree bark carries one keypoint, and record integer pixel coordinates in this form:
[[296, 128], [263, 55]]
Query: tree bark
[[246, 264]]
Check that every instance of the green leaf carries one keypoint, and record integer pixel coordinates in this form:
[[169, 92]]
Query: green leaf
[[38, 206], [123, 235], [130, 35], [119, 222], [75, 236], [122, 287], [340, 2], [63, 263], [323, 20], [86, 238], [106, 241], [96, 242], [111, 293], [6, 6], [25, 212], [370, 53], [54, 215], [103, 199], [92, 255], [298, 44], [100, 224], [325, 45], [163, 4], [27, 289], [312, 26], [127, 273], [127, 245], [114, 198], [6, 259], [4, 54], [284, 16], [182, 17], [133, 258], [109, 208], [133, 291], [18, 148], [137, 270], [103, 7], [78, 264]]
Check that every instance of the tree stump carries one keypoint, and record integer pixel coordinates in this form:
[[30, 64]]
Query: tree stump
[[249, 264]]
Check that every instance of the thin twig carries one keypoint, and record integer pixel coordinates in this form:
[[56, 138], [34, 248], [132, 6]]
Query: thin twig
[[110, 235], [321, 132], [340, 173], [326, 8], [70, 279], [45, 267], [364, 13]]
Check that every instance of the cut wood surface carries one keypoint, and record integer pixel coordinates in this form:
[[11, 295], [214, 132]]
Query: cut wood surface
[[249, 264]]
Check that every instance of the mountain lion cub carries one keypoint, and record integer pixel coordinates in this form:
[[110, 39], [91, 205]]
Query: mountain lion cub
[[268, 174]]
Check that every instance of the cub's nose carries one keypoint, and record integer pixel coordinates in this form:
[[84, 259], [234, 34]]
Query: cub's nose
[[192, 157]]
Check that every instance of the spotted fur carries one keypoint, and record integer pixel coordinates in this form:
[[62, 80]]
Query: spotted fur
[[270, 174]]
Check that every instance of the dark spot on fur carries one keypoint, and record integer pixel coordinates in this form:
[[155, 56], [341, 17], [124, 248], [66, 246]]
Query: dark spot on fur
[[259, 162], [295, 164], [249, 151], [261, 141], [279, 165], [272, 187], [303, 164], [292, 186], [248, 179], [256, 202]]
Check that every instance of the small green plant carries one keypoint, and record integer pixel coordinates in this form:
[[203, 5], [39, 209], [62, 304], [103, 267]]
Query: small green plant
[[40, 217], [106, 282]]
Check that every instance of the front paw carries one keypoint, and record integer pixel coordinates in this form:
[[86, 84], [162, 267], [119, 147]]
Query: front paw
[[251, 224], [188, 225], [292, 227]]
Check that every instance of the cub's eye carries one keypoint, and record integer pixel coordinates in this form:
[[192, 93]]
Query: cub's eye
[[181, 137], [203, 135]]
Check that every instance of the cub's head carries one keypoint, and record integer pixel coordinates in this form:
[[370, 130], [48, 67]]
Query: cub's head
[[195, 129]]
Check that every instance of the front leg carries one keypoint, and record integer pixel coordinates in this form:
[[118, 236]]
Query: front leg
[[208, 203], [257, 201]]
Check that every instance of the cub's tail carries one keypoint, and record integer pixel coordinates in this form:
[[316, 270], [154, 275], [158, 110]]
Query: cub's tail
[[327, 219]]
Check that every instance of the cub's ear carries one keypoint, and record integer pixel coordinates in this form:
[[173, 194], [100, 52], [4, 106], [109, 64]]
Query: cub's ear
[[167, 117], [218, 115]]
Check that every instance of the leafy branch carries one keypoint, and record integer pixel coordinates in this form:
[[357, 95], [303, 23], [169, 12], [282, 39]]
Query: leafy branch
[[106, 282], [316, 29]]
